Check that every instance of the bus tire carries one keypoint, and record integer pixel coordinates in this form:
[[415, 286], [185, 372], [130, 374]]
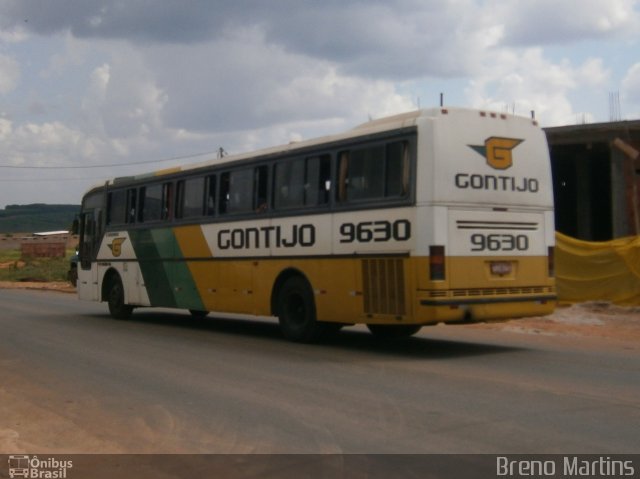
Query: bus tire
[[297, 312], [115, 298], [394, 331]]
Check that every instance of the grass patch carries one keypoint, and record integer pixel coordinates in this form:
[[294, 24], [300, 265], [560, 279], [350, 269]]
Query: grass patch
[[13, 268]]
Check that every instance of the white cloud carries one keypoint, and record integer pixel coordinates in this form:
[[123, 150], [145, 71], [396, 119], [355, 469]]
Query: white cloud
[[6, 127], [531, 22], [74, 54], [46, 144], [631, 92], [122, 101], [398, 39], [243, 83], [9, 73], [593, 73], [527, 81], [13, 34], [631, 85]]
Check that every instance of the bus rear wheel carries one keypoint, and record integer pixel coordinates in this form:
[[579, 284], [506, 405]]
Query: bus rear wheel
[[115, 298], [297, 313], [393, 331]]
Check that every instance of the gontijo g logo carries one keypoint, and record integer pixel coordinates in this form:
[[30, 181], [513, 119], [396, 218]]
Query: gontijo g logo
[[497, 151], [116, 246]]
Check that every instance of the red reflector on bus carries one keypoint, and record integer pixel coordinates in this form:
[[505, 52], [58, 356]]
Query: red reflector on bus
[[551, 261], [436, 263]]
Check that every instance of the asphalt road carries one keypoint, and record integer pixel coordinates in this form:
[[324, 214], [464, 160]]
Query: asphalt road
[[163, 382]]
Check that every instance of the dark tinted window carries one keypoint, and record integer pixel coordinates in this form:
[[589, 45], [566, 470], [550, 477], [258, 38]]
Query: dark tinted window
[[302, 182], [117, 207], [374, 172], [244, 191], [190, 198], [151, 203]]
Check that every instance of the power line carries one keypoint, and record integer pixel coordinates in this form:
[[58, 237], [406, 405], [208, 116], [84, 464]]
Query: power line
[[77, 167]]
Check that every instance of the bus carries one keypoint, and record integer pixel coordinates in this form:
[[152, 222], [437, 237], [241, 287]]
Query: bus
[[440, 215]]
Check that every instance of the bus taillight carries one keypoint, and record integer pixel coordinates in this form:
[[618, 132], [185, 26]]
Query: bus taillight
[[436, 263], [551, 261]]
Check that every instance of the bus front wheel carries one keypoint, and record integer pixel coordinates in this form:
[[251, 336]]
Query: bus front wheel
[[297, 312], [115, 298]]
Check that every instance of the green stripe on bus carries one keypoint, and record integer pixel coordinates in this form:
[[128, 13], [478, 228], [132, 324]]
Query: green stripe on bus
[[168, 279], [184, 290], [149, 246]]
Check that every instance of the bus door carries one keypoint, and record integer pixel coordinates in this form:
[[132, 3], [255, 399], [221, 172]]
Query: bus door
[[90, 236]]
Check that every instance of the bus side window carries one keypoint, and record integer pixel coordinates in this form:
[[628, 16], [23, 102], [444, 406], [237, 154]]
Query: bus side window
[[244, 191], [289, 185], [210, 200], [116, 207], [317, 180], [397, 169], [374, 172], [167, 200], [223, 197], [261, 186], [190, 198], [131, 205], [366, 173], [343, 181], [241, 189], [151, 203]]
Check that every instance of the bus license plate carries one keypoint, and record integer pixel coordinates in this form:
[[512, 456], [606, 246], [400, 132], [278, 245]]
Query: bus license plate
[[500, 268]]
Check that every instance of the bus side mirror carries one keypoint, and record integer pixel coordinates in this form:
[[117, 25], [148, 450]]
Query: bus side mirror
[[75, 227]]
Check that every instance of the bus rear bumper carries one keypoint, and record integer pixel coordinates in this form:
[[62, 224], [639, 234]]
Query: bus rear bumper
[[484, 309]]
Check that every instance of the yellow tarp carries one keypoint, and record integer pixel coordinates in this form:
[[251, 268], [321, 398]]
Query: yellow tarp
[[609, 271]]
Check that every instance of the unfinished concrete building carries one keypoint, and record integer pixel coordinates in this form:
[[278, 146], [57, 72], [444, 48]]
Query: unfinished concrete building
[[596, 179]]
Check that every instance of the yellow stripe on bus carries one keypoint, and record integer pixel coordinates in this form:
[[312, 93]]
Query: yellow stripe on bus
[[193, 245], [192, 242]]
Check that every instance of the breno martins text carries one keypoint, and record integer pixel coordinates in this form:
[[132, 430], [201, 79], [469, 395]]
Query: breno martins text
[[570, 466]]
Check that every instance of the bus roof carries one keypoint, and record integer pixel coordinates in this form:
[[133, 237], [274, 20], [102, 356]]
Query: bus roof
[[390, 123]]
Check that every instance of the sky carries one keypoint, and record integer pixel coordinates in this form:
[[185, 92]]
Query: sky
[[91, 90]]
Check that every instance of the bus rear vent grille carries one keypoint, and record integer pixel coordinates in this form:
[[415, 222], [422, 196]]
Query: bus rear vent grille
[[383, 286], [457, 293]]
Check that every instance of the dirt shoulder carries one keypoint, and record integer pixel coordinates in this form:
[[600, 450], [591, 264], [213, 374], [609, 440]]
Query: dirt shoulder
[[60, 286], [594, 319]]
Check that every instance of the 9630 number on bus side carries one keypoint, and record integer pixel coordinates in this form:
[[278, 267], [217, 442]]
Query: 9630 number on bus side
[[375, 231]]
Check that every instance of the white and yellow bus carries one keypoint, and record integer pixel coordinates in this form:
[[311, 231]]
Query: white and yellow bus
[[439, 215]]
